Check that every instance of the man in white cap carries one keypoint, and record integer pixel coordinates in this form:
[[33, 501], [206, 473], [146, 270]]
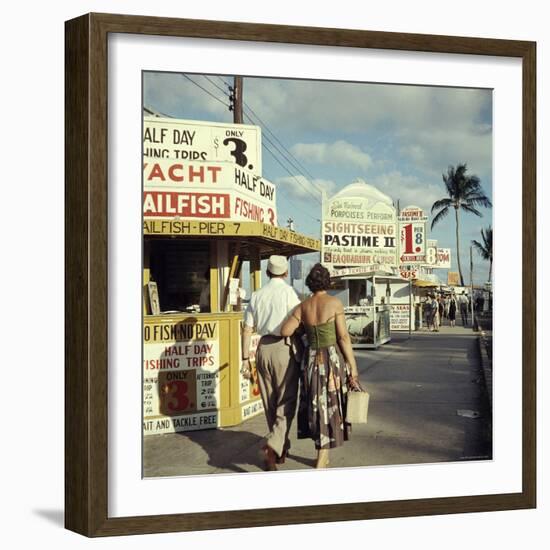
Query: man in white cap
[[277, 369]]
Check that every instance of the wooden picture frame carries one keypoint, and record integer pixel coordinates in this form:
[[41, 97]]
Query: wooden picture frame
[[86, 282]]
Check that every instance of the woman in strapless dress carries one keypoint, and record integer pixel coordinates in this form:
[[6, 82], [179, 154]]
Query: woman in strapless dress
[[328, 368]]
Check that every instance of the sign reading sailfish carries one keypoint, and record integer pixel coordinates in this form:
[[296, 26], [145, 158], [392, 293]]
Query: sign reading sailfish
[[359, 229]]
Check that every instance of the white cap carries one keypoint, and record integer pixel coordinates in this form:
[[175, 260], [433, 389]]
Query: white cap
[[277, 265]]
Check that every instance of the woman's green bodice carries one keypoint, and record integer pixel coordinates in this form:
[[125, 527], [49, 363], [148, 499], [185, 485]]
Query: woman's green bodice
[[321, 336]]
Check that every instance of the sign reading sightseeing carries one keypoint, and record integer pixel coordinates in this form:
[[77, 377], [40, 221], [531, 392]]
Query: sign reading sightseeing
[[359, 229]]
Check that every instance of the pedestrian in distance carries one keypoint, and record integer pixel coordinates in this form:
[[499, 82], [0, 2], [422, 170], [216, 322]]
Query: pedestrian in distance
[[463, 303], [428, 311], [441, 309], [446, 302], [328, 368], [452, 310], [435, 314], [276, 360]]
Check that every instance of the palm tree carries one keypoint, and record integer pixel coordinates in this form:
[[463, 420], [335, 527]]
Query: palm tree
[[485, 248], [465, 193]]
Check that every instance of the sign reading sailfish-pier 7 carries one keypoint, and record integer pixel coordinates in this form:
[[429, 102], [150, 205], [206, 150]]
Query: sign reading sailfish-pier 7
[[229, 229]]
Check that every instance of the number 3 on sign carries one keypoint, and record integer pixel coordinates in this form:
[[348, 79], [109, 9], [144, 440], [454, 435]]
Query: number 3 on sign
[[173, 397]]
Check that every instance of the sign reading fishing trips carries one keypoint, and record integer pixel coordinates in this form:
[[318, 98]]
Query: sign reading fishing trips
[[194, 140]]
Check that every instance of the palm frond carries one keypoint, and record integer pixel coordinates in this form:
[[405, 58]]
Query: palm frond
[[442, 203], [478, 199], [471, 209], [440, 215], [481, 249]]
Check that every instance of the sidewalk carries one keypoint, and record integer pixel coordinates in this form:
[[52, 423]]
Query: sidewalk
[[416, 387]]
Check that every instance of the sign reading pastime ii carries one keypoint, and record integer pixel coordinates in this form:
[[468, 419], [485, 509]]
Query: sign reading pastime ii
[[359, 228]]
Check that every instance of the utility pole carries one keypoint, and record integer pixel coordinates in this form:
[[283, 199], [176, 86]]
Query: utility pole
[[236, 99], [472, 287], [236, 105]]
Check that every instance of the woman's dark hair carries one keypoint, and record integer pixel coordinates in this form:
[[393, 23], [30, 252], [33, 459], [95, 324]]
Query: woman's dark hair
[[318, 278]]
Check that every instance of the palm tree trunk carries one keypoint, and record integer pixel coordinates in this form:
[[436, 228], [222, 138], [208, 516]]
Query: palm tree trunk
[[490, 269], [458, 249]]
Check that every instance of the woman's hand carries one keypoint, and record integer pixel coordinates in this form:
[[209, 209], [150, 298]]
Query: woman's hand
[[353, 382]]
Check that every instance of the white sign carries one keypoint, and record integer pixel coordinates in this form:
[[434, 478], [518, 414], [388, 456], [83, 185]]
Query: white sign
[[181, 423], [220, 190], [181, 363], [431, 252], [192, 140], [444, 258], [399, 317], [412, 235], [208, 176], [409, 271], [412, 214], [359, 229]]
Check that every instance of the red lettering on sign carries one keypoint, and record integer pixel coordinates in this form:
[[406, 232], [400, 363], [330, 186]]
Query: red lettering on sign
[[185, 205]]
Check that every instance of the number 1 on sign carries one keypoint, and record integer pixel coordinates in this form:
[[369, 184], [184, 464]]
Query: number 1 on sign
[[411, 239]]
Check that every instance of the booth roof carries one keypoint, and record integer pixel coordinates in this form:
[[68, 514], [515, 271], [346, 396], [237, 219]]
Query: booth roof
[[425, 284], [268, 239]]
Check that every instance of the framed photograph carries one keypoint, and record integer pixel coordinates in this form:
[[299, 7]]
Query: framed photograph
[[262, 220]]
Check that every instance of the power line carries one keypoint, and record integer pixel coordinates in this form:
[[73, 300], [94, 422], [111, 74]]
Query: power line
[[289, 172], [290, 205], [292, 164], [289, 157], [286, 169], [214, 84], [296, 163], [205, 90]]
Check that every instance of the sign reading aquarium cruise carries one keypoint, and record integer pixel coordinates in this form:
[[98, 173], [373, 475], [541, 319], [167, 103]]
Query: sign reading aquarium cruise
[[359, 229]]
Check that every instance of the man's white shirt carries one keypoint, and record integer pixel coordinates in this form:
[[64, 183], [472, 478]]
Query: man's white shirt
[[269, 307]]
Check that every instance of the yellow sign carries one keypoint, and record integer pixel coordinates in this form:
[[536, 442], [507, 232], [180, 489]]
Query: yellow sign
[[453, 278], [183, 331], [228, 229]]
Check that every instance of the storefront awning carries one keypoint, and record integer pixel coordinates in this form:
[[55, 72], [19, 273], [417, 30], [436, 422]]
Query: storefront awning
[[425, 284], [251, 235]]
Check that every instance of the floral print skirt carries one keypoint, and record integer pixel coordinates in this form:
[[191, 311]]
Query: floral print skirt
[[323, 398]]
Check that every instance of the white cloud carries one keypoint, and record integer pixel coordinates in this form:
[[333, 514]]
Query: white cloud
[[301, 188], [410, 190], [175, 95], [339, 152]]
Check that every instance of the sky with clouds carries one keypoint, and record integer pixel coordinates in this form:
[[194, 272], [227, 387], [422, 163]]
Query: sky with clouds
[[398, 138]]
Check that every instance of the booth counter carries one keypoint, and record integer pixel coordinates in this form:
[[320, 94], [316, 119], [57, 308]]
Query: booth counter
[[193, 313]]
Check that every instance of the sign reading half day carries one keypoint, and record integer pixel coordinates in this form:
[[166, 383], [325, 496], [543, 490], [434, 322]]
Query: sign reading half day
[[181, 376], [206, 189], [192, 140], [359, 228], [412, 235]]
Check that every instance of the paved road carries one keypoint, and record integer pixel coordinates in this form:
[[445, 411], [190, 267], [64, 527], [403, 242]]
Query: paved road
[[416, 387]]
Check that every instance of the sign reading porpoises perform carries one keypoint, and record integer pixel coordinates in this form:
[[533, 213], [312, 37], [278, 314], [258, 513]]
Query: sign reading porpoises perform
[[359, 229], [181, 376]]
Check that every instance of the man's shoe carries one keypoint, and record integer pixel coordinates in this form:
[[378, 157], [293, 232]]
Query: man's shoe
[[270, 458]]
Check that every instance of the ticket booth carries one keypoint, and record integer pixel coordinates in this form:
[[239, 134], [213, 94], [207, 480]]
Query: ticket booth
[[368, 316], [193, 304]]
